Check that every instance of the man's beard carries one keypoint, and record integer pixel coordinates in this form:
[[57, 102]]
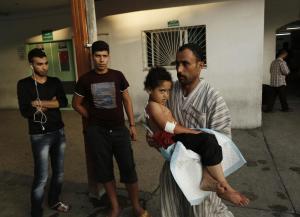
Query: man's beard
[[182, 80], [41, 74]]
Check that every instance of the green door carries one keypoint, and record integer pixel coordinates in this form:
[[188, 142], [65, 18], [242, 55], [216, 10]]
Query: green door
[[61, 63]]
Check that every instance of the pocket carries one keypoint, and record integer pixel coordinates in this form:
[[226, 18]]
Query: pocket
[[62, 136], [122, 132], [90, 131], [61, 131], [194, 118], [34, 138]]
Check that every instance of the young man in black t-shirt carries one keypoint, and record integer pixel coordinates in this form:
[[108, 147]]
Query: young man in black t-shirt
[[40, 98], [105, 92]]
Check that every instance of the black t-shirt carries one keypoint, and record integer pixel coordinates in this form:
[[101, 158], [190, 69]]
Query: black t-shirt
[[103, 94], [27, 93]]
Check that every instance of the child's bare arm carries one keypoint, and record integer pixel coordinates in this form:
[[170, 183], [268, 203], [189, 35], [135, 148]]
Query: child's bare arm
[[160, 118], [181, 129]]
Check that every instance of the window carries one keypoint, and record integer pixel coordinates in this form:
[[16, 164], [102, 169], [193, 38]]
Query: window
[[160, 46]]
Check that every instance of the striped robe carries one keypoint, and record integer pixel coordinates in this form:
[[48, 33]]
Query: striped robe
[[202, 108]]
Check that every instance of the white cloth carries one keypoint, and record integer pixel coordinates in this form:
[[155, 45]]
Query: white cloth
[[186, 166]]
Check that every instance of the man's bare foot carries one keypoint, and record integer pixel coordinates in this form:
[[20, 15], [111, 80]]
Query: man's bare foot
[[139, 211], [143, 213], [114, 213], [231, 195]]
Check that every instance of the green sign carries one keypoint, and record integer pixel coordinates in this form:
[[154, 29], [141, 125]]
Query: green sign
[[173, 23], [47, 35]]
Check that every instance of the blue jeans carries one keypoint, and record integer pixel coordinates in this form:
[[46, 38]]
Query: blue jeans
[[44, 145]]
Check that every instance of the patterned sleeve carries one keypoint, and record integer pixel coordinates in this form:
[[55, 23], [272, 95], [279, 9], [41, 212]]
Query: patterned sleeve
[[284, 68], [218, 115]]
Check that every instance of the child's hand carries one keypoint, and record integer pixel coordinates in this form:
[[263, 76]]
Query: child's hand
[[192, 131], [150, 140]]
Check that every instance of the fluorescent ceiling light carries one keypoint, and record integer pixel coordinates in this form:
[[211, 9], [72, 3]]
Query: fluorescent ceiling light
[[284, 33], [293, 28]]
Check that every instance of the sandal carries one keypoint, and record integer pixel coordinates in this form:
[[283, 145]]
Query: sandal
[[61, 207]]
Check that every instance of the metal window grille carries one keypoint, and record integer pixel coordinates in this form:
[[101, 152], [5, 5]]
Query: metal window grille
[[160, 46]]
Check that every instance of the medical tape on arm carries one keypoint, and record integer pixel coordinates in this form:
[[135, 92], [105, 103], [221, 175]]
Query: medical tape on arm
[[170, 126]]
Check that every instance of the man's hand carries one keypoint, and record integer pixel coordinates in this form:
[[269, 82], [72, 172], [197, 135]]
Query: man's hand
[[38, 105], [133, 133], [41, 109]]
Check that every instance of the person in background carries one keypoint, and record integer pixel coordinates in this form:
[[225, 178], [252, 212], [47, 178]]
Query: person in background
[[106, 92], [278, 70], [40, 97]]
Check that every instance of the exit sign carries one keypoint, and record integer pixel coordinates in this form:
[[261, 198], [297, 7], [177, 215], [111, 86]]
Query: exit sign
[[173, 23], [47, 35]]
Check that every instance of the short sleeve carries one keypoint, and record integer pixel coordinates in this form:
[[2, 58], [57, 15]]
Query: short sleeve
[[123, 82], [80, 87]]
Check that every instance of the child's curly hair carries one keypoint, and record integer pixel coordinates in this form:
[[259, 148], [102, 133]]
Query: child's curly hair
[[155, 76]]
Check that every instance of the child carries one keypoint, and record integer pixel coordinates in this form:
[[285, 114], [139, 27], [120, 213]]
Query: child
[[166, 131]]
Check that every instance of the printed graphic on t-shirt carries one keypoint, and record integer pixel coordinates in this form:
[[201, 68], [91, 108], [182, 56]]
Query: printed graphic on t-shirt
[[104, 95]]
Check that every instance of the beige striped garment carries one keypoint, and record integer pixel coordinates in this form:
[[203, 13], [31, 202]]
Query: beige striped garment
[[203, 108]]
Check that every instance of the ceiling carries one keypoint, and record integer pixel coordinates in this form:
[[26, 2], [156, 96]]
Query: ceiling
[[11, 7], [15, 7], [285, 28]]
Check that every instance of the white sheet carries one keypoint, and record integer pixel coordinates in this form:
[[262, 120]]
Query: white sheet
[[186, 166]]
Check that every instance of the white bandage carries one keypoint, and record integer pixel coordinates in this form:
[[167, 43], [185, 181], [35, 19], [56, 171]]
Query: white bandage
[[170, 126]]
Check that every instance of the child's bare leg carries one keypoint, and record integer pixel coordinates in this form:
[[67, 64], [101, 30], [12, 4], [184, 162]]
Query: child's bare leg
[[224, 190], [216, 171], [208, 183]]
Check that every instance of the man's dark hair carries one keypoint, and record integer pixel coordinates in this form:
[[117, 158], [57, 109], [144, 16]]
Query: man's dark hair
[[36, 52], [100, 46], [195, 48], [156, 76], [281, 52]]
